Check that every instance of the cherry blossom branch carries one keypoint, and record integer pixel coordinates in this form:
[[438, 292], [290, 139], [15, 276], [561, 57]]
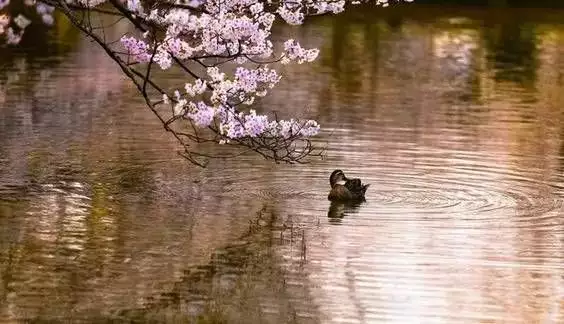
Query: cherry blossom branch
[[218, 101]]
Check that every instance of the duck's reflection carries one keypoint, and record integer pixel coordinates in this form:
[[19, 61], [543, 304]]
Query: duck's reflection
[[338, 210]]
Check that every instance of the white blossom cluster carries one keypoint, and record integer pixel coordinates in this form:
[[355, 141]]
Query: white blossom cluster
[[238, 31], [12, 27]]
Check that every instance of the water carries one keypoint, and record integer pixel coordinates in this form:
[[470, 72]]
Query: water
[[454, 116]]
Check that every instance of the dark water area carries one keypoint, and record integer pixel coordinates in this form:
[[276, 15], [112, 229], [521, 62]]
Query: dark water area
[[454, 116], [496, 3]]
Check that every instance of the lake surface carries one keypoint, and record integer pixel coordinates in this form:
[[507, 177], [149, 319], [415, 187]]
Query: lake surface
[[455, 117]]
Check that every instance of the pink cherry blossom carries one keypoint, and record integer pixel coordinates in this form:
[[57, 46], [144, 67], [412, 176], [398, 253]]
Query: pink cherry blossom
[[224, 47]]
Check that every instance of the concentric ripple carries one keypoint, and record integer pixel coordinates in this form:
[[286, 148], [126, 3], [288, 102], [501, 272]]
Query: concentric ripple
[[443, 234], [469, 184]]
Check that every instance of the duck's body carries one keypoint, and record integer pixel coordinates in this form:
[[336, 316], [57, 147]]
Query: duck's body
[[344, 189]]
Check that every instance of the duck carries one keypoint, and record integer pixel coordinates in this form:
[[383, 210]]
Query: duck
[[344, 189]]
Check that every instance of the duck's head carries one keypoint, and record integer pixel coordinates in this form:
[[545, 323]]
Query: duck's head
[[336, 177]]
